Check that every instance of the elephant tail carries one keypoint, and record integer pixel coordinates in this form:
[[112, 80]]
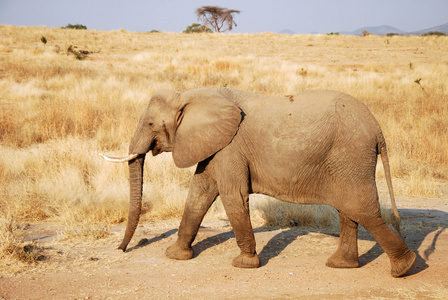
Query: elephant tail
[[394, 215]]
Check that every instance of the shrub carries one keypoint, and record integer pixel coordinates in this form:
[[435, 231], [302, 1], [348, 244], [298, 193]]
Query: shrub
[[76, 26], [195, 27], [79, 54], [436, 33]]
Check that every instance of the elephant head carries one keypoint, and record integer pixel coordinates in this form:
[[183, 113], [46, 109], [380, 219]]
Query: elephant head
[[193, 125]]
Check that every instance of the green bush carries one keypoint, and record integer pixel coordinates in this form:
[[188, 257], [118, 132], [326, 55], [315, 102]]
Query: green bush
[[79, 54], [437, 33], [76, 26], [393, 34], [195, 27]]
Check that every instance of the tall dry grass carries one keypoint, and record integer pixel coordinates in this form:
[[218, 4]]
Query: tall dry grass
[[56, 111]]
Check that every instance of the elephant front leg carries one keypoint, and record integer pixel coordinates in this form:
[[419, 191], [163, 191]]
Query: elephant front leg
[[237, 209], [202, 194], [346, 256]]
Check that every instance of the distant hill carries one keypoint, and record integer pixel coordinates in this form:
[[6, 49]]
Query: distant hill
[[382, 30], [286, 31], [378, 30], [441, 28]]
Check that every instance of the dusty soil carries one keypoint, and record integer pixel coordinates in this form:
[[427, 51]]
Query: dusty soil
[[293, 264]]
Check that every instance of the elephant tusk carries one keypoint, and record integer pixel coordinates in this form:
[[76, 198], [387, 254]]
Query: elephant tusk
[[118, 159]]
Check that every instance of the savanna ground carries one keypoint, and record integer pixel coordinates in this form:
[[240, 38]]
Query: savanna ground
[[62, 208]]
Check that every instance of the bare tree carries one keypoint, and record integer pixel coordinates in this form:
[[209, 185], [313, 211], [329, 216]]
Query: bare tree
[[365, 33], [216, 17]]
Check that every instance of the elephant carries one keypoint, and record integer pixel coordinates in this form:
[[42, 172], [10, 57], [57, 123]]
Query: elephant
[[314, 147]]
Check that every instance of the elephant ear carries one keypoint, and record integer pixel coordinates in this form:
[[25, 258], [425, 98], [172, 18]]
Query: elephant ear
[[208, 123]]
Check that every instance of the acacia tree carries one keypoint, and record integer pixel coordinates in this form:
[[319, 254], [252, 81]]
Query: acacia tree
[[216, 17]]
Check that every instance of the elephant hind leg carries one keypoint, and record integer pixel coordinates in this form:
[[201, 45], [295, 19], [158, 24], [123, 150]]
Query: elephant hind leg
[[346, 256], [401, 257], [366, 212]]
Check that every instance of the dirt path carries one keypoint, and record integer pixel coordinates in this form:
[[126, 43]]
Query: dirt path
[[293, 266]]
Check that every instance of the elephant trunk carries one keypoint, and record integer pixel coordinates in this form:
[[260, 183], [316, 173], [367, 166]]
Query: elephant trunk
[[135, 204]]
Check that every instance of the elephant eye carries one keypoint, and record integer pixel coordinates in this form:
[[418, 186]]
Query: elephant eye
[[150, 124]]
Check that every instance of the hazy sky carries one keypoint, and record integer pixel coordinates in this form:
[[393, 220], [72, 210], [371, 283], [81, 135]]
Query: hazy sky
[[301, 16]]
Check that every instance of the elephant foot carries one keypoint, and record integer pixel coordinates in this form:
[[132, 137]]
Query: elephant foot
[[403, 264], [340, 261], [177, 252], [245, 260]]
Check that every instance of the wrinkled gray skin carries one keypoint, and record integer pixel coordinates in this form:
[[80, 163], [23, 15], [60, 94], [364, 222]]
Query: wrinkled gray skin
[[316, 147]]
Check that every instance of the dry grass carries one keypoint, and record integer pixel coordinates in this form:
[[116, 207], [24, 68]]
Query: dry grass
[[14, 252], [56, 110]]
